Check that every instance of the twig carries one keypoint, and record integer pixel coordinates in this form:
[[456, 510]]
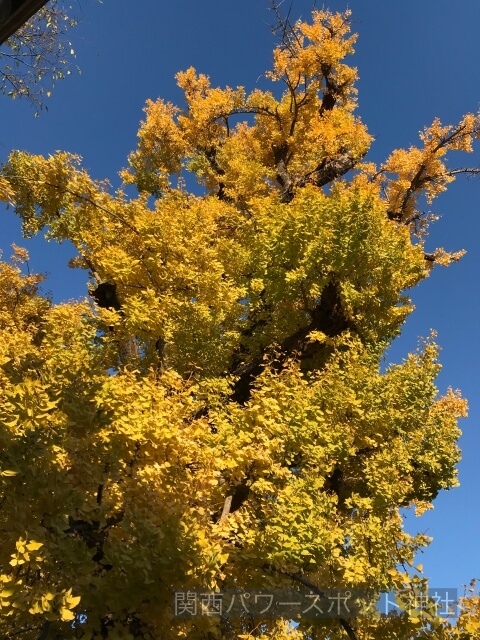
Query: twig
[[298, 577]]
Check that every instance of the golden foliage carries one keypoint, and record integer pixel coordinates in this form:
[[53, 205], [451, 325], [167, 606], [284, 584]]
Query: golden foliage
[[215, 416]]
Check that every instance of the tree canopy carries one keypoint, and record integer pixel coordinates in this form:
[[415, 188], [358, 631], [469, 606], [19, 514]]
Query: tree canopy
[[214, 415]]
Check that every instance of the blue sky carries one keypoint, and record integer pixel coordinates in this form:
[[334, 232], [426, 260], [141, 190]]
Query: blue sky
[[416, 60]]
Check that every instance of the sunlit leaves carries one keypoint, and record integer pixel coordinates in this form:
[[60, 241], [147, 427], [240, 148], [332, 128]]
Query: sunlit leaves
[[422, 172], [220, 419]]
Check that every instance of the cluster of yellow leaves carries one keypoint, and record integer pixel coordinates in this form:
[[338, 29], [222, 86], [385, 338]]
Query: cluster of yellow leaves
[[121, 463], [202, 262], [240, 158], [423, 172], [5, 191], [20, 594]]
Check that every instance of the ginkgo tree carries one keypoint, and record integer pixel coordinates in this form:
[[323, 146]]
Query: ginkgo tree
[[213, 415]]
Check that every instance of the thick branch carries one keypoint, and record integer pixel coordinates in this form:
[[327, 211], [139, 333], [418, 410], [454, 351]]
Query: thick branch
[[258, 319], [92, 534], [105, 295], [226, 509], [331, 92], [327, 317], [417, 183], [211, 155], [235, 500], [280, 155], [330, 169]]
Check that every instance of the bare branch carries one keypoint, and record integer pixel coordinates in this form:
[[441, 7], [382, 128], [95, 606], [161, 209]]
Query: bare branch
[[473, 171], [37, 55], [283, 26]]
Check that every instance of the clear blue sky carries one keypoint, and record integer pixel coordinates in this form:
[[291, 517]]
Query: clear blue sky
[[416, 60]]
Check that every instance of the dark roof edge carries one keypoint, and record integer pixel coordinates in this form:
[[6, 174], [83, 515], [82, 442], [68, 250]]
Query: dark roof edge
[[19, 17]]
